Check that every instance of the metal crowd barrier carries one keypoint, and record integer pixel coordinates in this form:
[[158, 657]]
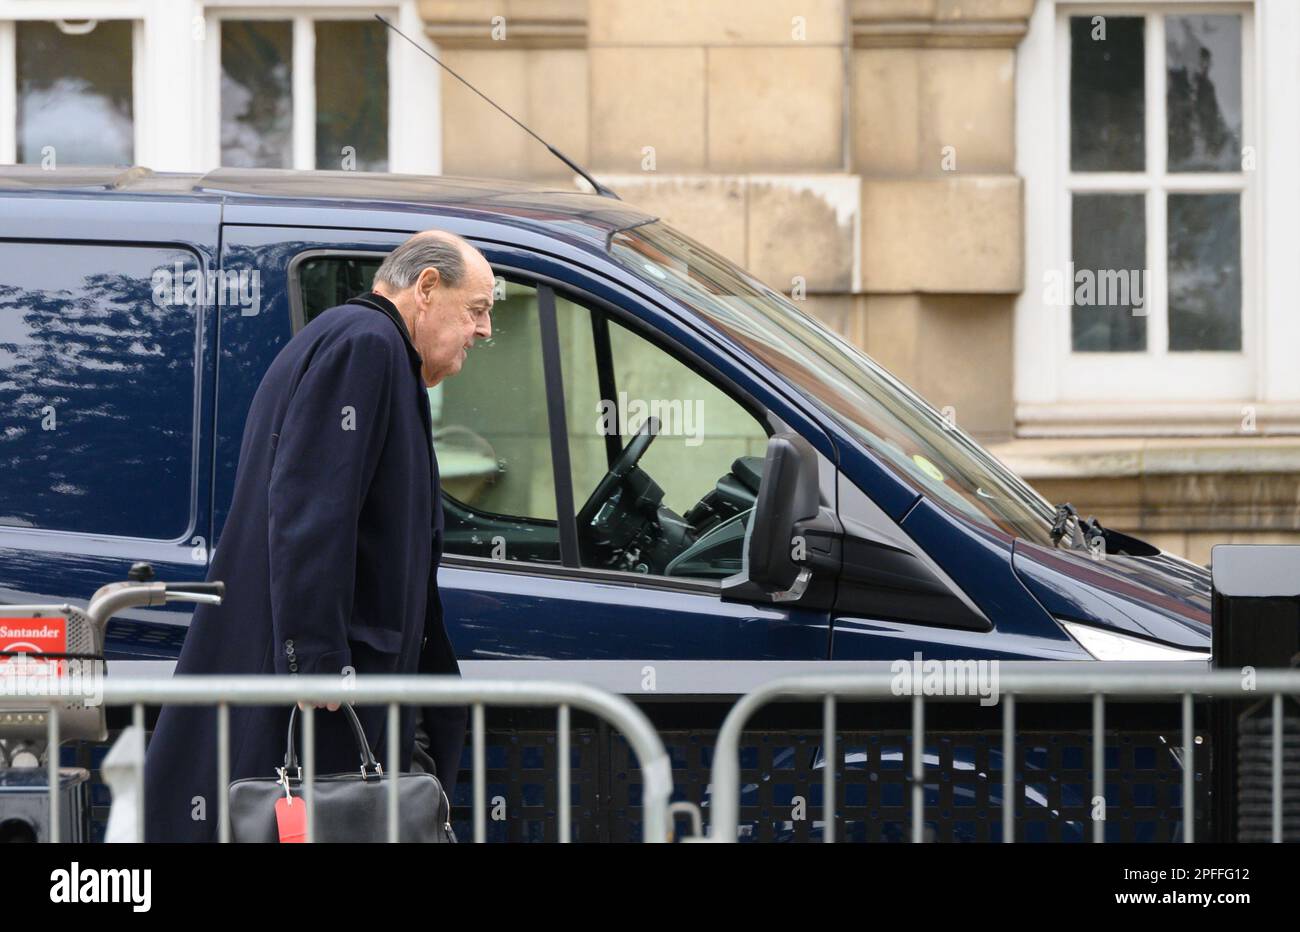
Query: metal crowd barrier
[[394, 691], [1099, 685]]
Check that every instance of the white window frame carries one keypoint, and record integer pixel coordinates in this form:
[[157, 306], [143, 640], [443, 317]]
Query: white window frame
[[12, 12], [176, 103], [1062, 392], [414, 82]]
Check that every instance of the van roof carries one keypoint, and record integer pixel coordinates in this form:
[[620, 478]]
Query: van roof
[[513, 199]]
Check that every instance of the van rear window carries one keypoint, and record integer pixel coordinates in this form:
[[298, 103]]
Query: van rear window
[[97, 388]]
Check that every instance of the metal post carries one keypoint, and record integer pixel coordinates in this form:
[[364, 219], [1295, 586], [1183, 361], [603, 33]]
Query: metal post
[[1099, 765], [480, 777], [1009, 768], [223, 773], [137, 719], [52, 765], [309, 768], [562, 735], [918, 766], [394, 768], [1277, 768], [830, 759], [1189, 773]]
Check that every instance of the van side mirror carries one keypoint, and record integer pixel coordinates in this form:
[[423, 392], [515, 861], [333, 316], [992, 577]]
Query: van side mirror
[[790, 534]]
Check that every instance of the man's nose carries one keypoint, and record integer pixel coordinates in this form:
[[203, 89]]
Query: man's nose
[[484, 330]]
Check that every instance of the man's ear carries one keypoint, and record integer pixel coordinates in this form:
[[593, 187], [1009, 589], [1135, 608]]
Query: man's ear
[[427, 283]]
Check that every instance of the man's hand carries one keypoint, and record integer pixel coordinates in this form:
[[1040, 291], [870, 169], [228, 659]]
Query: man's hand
[[331, 706]]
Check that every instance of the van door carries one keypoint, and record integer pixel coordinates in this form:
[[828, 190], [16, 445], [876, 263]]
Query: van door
[[107, 341], [524, 435]]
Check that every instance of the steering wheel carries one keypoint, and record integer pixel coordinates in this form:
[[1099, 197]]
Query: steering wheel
[[625, 463]]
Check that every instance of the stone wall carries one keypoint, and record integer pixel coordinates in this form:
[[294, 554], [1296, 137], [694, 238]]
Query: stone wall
[[859, 154]]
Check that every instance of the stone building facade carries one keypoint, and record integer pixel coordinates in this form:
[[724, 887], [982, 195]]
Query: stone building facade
[[921, 174], [884, 160]]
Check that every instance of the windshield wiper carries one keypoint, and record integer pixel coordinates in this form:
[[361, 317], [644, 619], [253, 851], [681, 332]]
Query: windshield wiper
[[1091, 531], [1061, 523]]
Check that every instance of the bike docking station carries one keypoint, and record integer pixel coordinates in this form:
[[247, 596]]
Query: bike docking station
[[57, 650]]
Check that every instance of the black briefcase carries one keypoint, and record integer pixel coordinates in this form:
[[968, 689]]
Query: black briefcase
[[349, 807]]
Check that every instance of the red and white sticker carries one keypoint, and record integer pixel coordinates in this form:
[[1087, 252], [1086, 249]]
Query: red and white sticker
[[33, 636]]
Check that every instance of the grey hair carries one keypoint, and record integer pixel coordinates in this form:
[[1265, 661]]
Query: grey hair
[[404, 264]]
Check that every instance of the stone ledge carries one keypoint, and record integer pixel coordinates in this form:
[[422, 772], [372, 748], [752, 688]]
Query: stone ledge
[[1127, 457], [1183, 495], [528, 23], [1168, 419], [717, 23], [1004, 34], [939, 23]]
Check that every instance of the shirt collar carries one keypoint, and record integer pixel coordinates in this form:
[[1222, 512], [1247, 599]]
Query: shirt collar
[[378, 302]]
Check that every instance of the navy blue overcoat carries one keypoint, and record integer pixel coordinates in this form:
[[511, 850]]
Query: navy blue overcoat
[[330, 561]]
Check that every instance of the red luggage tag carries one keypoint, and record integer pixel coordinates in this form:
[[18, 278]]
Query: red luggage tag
[[291, 820]]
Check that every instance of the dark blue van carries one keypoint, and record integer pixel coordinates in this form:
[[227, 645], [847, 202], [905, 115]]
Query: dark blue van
[[139, 312], [660, 476]]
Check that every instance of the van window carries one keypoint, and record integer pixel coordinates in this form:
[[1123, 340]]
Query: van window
[[697, 479], [97, 383], [492, 438], [892, 421]]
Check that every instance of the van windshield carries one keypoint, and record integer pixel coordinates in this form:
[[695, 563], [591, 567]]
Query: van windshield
[[889, 418]]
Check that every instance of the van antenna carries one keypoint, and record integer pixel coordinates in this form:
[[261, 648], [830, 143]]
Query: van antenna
[[599, 188]]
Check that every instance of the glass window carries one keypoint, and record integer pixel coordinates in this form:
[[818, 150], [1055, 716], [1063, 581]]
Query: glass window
[[683, 511], [1110, 248], [888, 417], [1176, 217], [75, 93], [352, 94], [328, 281], [1107, 94], [97, 380], [490, 421], [1204, 271], [256, 94], [346, 125], [1203, 90]]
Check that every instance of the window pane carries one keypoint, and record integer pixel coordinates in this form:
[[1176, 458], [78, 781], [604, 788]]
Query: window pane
[[352, 95], [1109, 286], [1107, 94], [329, 281], [696, 528], [1205, 272], [490, 421], [1203, 89], [75, 94], [256, 94], [97, 389]]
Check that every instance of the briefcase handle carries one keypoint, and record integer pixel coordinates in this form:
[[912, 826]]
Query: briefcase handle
[[368, 762]]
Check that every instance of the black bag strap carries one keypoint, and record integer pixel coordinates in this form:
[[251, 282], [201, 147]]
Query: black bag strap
[[368, 761]]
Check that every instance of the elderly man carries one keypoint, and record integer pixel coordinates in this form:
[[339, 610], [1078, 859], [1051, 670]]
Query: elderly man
[[330, 554]]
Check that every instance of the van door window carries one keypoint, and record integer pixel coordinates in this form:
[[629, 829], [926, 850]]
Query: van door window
[[97, 387], [490, 427], [683, 508]]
